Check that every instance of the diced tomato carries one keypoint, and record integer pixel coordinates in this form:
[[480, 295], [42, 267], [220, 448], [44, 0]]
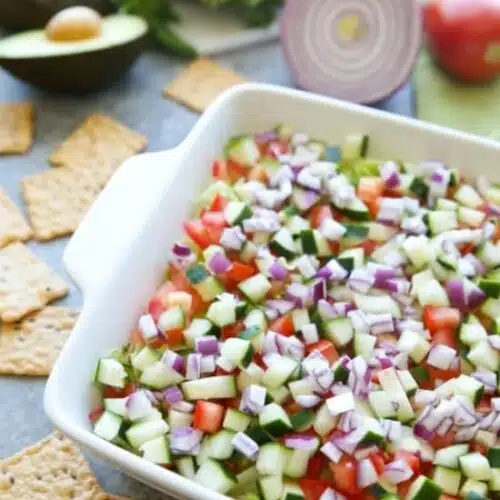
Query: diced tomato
[[136, 338], [479, 448], [292, 408], [373, 207], [232, 403], [436, 318], [277, 289], [378, 462], [438, 442], [319, 213], [232, 330], [115, 392], [275, 148], [445, 336], [95, 415], [258, 173], [411, 459], [175, 337], [368, 246], [208, 416], [315, 465], [484, 405], [436, 374], [283, 325], [334, 247], [370, 188], [214, 234], [326, 348], [214, 219], [219, 170], [404, 488], [236, 171], [158, 342], [239, 272], [345, 475], [197, 231], [313, 488], [219, 203]]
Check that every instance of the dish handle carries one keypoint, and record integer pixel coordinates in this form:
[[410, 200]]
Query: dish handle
[[117, 215]]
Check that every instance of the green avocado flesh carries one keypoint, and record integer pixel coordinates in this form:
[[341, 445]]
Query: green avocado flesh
[[116, 30], [75, 66]]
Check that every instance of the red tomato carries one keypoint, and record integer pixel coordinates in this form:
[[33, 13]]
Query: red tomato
[[232, 330], [411, 459], [316, 465], [313, 488], [258, 173], [345, 475], [326, 348], [115, 392], [196, 230], [435, 374], [319, 213], [463, 37], [479, 448], [370, 188], [445, 336], [214, 219], [283, 325], [219, 170], [438, 442], [368, 246], [484, 405], [240, 272], [208, 416], [236, 171], [95, 415], [218, 204], [378, 462], [436, 318]]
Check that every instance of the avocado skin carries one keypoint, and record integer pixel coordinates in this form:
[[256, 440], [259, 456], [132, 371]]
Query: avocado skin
[[32, 14], [77, 73]]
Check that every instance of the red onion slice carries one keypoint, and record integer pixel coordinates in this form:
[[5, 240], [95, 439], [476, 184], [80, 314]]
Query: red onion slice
[[358, 50]]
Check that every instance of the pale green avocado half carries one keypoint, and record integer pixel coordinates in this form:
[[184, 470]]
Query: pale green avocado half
[[76, 66]]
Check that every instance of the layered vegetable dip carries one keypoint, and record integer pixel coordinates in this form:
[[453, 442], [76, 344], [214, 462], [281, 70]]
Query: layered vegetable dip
[[327, 330]]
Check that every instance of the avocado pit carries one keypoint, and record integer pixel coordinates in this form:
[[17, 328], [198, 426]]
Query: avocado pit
[[73, 24]]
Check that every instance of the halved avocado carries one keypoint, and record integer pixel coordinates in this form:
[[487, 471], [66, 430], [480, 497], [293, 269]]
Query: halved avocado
[[32, 14], [75, 66]]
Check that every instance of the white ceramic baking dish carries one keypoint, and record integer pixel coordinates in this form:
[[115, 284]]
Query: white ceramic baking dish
[[121, 248]]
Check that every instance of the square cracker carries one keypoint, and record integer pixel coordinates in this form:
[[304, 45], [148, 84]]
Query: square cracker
[[99, 141], [200, 83], [16, 127], [13, 227], [58, 199], [31, 346], [26, 283], [54, 468]]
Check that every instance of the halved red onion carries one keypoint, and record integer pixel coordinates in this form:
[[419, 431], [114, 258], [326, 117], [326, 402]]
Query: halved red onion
[[219, 263], [138, 405], [398, 471], [172, 395], [183, 440], [207, 345], [301, 442], [245, 445], [332, 452], [307, 400], [173, 360], [253, 399], [193, 366], [441, 356]]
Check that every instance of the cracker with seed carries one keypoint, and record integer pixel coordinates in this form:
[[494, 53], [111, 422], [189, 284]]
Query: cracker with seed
[[58, 199], [26, 283], [200, 83], [13, 227], [16, 127], [54, 468], [99, 141], [31, 346]]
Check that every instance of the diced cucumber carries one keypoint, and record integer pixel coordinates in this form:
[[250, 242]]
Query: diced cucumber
[[433, 294], [278, 395], [491, 287], [282, 244], [300, 318], [475, 466], [292, 491], [420, 374], [352, 258], [466, 195], [448, 457], [236, 212], [270, 487], [255, 288], [390, 384], [419, 251], [186, 467], [491, 308], [408, 383], [271, 459], [221, 447], [470, 217], [494, 457], [296, 462], [483, 354], [414, 345], [441, 221], [279, 372], [159, 376], [238, 351], [382, 404], [156, 450], [302, 420], [215, 476], [489, 254], [378, 304], [445, 204], [218, 387], [373, 432], [296, 224], [274, 420], [199, 327], [243, 150], [339, 330], [118, 406], [471, 333], [470, 387], [178, 419], [355, 146], [236, 420], [144, 431], [314, 243], [324, 421], [418, 187], [494, 483], [110, 372], [355, 210], [222, 313], [108, 426], [424, 488], [447, 479], [364, 345], [251, 375], [474, 490], [203, 282], [486, 438]]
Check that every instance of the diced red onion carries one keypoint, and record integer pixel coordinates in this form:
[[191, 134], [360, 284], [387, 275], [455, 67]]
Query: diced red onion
[[444, 427], [331, 452], [256, 225], [394, 259], [331, 494], [424, 397], [318, 290], [492, 210], [307, 400], [365, 452], [465, 414], [441, 356], [495, 404], [359, 321], [332, 271], [183, 440], [380, 323], [343, 308], [172, 394], [326, 310], [361, 280], [269, 198], [173, 360], [391, 211], [313, 360], [390, 349], [301, 442], [392, 428], [487, 378], [207, 345], [219, 263], [138, 405], [479, 267], [298, 293], [245, 445], [401, 361], [382, 274], [414, 225], [488, 230], [389, 172], [270, 343], [322, 378], [271, 358], [475, 297], [350, 441], [253, 399], [290, 347], [183, 407], [147, 327], [343, 195], [181, 250], [208, 364], [439, 181], [193, 366], [232, 238], [494, 341], [466, 433], [225, 364], [284, 173], [422, 432], [366, 474], [310, 333], [278, 271], [332, 230], [495, 426], [398, 471], [307, 266], [308, 181], [466, 267], [182, 255], [456, 293]]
